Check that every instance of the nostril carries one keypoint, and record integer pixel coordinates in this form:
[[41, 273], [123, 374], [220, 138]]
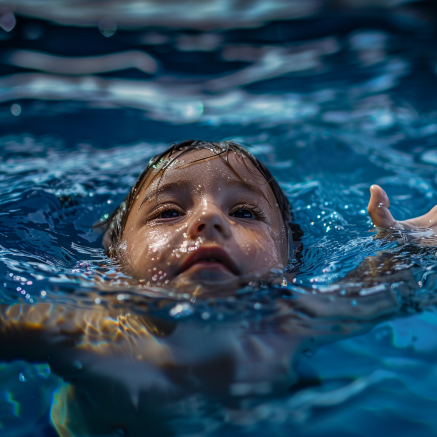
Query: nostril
[[200, 227]]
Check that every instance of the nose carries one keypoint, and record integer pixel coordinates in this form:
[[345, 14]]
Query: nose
[[209, 223]]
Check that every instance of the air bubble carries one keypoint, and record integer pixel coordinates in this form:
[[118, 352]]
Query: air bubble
[[107, 27], [181, 310], [206, 315], [16, 109], [7, 21]]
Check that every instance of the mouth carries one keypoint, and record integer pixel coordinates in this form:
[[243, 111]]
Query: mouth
[[213, 258]]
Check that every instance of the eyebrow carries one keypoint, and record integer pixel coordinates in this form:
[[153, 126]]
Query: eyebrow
[[235, 183], [161, 189]]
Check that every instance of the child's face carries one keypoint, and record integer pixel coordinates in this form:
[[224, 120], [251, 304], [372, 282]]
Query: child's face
[[200, 227]]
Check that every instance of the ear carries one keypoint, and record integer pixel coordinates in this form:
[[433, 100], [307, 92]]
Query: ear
[[103, 227]]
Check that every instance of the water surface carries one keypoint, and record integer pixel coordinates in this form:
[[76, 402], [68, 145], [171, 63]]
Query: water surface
[[331, 106]]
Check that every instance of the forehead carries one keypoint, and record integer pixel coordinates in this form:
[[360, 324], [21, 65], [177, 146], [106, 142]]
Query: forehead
[[205, 167]]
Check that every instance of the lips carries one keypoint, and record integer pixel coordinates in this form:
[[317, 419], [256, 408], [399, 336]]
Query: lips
[[209, 256]]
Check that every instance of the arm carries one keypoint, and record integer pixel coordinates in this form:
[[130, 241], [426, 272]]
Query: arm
[[365, 296], [63, 335]]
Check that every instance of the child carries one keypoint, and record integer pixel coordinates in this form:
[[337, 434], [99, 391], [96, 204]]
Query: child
[[203, 219], [200, 218], [206, 217]]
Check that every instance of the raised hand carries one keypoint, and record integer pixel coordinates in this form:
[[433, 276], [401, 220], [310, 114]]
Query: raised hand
[[378, 210]]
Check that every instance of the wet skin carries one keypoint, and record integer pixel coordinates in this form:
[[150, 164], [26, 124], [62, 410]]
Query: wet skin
[[381, 216], [202, 227]]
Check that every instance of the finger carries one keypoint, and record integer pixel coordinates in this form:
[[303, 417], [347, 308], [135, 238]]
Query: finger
[[378, 209]]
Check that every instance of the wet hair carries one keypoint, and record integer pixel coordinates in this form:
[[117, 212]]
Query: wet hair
[[116, 222]]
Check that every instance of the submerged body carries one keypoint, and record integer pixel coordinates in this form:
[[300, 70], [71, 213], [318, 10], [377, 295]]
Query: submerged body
[[125, 371]]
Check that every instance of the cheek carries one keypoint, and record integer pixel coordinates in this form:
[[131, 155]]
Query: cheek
[[155, 249], [146, 251], [262, 250]]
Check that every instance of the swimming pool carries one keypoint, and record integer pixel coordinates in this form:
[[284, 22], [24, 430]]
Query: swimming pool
[[331, 103]]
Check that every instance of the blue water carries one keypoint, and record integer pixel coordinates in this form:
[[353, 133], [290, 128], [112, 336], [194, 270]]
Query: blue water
[[332, 103]]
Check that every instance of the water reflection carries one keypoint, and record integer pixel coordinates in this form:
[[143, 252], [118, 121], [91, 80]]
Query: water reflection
[[77, 66]]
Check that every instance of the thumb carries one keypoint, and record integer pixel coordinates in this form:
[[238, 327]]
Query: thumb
[[378, 209]]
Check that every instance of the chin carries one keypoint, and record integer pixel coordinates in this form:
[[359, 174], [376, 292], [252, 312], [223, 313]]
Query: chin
[[206, 282]]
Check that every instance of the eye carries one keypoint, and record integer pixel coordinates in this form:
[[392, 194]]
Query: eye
[[243, 213], [169, 213]]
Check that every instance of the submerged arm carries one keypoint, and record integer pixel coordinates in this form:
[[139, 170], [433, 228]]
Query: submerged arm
[[365, 296], [64, 335]]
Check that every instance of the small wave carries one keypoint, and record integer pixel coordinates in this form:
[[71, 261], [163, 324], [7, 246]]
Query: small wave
[[81, 65]]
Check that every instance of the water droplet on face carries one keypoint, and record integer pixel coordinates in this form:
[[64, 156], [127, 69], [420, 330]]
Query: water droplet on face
[[22, 378], [380, 205], [154, 277]]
